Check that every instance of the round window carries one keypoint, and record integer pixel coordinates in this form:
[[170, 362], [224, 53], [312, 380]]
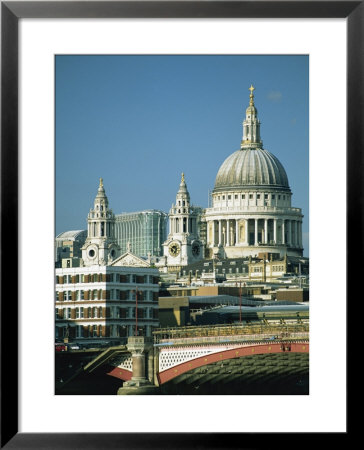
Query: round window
[[91, 253]]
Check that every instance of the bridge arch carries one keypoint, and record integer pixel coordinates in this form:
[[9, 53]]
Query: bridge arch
[[237, 352]]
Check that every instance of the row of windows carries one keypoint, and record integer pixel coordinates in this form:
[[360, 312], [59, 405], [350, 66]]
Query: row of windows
[[98, 331], [251, 196], [217, 270], [274, 269], [110, 313], [108, 278], [112, 294], [278, 268]]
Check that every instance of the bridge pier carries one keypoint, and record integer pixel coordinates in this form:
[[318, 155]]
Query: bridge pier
[[141, 349]]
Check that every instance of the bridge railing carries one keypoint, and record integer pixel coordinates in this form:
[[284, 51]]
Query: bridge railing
[[227, 333], [256, 339]]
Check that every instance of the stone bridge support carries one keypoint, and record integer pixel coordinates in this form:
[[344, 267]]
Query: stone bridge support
[[141, 349]]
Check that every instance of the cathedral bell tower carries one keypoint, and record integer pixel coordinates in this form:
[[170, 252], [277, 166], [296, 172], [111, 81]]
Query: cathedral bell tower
[[183, 245], [100, 247]]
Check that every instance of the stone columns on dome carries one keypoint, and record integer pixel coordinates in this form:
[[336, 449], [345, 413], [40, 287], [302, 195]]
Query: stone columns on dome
[[265, 231], [289, 240], [254, 231], [275, 231], [294, 233]]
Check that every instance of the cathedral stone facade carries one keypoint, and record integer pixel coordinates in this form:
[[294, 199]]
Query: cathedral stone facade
[[251, 210]]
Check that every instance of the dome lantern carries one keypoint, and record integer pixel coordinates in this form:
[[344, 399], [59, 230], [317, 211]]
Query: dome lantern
[[251, 125]]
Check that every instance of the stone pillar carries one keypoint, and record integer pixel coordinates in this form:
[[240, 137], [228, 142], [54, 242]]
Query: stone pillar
[[138, 359], [151, 366], [283, 231], [256, 232], [227, 232], [289, 234], [220, 226], [213, 233], [265, 231], [275, 231], [236, 231]]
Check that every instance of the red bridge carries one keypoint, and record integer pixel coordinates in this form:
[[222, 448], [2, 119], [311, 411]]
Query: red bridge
[[194, 356]]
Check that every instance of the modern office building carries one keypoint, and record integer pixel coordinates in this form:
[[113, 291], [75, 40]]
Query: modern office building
[[145, 231]]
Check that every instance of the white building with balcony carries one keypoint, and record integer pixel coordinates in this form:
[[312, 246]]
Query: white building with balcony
[[251, 210]]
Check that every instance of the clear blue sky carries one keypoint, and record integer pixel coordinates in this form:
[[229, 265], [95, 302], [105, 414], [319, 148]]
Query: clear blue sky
[[139, 121]]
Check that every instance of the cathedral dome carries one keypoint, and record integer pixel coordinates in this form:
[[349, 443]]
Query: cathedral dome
[[251, 167]]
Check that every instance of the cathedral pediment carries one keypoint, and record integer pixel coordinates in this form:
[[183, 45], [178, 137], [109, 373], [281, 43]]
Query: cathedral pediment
[[128, 259]]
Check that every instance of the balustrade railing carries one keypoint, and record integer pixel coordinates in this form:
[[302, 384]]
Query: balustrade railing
[[252, 209], [231, 333]]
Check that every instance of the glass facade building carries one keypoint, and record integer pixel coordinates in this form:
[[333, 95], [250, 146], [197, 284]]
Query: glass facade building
[[144, 230]]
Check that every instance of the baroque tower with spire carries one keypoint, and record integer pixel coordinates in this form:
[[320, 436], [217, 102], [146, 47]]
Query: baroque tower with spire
[[183, 244], [100, 247]]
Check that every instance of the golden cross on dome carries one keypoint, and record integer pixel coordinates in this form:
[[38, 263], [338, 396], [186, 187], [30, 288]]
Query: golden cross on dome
[[183, 178], [251, 89]]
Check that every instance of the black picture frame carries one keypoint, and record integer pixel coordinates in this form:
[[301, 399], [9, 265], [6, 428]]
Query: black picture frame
[[11, 12]]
